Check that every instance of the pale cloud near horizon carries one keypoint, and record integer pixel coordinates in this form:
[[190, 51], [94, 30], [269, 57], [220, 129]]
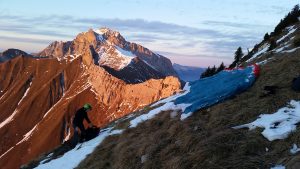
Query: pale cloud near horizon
[[151, 34], [180, 31]]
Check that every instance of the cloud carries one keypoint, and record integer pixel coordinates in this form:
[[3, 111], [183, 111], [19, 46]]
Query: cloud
[[31, 31], [65, 21], [195, 42], [233, 24], [275, 9], [30, 40], [197, 59]]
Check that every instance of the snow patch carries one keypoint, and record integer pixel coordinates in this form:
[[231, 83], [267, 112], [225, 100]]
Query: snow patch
[[185, 115], [263, 50], [279, 124], [278, 167], [94, 90], [291, 30], [281, 49], [144, 158], [72, 158], [291, 50], [6, 152], [73, 57], [27, 135], [294, 149], [186, 90], [173, 114], [267, 149], [264, 61], [25, 94], [168, 105], [152, 113], [126, 55], [11, 117], [101, 31], [120, 57], [68, 136]]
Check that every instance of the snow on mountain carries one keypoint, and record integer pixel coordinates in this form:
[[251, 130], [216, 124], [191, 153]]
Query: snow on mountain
[[260, 51], [284, 44], [102, 31], [290, 30], [109, 49], [122, 57]]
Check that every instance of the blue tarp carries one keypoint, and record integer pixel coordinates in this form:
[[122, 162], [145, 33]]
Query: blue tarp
[[208, 91]]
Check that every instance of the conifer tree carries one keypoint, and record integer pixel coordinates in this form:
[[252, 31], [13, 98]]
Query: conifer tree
[[221, 67], [205, 73], [266, 37], [289, 19], [238, 55], [213, 70]]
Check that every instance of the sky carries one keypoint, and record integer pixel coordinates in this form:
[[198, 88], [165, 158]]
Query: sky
[[189, 32]]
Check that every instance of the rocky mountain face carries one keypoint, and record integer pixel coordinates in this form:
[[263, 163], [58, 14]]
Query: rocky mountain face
[[110, 50], [40, 94]]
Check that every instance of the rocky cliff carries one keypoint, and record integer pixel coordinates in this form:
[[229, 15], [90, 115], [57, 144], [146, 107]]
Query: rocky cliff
[[38, 97], [108, 49]]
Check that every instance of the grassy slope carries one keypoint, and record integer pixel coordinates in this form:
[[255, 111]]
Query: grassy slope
[[206, 140]]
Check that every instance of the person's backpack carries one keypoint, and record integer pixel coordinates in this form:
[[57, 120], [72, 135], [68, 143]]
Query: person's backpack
[[296, 84], [91, 133]]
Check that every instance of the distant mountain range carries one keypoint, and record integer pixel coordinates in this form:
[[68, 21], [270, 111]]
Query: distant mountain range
[[188, 73]]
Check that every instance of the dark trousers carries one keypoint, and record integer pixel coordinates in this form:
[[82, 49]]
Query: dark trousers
[[76, 137]]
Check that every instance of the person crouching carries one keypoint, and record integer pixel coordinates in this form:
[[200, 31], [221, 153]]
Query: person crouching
[[78, 126]]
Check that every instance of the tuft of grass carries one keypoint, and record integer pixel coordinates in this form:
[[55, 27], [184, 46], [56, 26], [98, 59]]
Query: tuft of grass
[[297, 41]]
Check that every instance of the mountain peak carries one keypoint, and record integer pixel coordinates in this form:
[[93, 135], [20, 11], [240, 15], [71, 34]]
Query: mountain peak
[[107, 31], [108, 48], [104, 35]]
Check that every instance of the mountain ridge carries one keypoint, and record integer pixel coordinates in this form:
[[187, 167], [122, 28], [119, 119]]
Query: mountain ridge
[[109, 49], [42, 92]]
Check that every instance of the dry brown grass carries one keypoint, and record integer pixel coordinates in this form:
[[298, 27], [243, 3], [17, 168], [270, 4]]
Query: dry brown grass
[[206, 139]]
